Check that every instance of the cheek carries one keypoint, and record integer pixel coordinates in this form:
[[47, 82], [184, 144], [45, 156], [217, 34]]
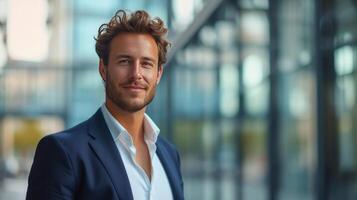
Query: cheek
[[118, 75], [151, 76]]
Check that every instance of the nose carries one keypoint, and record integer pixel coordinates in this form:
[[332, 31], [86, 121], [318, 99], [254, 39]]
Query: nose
[[136, 70]]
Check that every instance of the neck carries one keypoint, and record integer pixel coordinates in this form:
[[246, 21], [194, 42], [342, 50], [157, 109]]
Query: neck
[[131, 121]]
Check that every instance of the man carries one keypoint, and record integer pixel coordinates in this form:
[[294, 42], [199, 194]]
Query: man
[[117, 153]]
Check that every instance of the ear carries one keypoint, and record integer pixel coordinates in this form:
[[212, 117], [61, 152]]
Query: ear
[[102, 70], [159, 74]]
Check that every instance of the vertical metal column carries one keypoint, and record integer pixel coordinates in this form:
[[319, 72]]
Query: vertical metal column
[[241, 112], [327, 144], [219, 143], [240, 120], [273, 134]]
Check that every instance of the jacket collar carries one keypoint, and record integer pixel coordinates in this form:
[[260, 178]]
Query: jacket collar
[[104, 147], [171, 169]]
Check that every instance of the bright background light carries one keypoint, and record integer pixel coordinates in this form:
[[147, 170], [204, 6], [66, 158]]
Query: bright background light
[[27, 31]]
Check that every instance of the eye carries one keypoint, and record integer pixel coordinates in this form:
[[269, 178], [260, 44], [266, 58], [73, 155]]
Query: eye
[[123, 61], [147, 64]]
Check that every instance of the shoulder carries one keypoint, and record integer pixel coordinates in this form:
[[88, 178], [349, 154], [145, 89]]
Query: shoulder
[[66, 139], [77, 131], [61, 150]]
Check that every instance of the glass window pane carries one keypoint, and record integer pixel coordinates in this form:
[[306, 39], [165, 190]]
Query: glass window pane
[[84, 32], [229, 102], [254, 28], [254, 162], [255, 66], [345, 60], [251, 4], [36, 91], [346, 106], [346, 17], [102, 7], [88, 90], [257, 99], [297, 135], [3, 52]]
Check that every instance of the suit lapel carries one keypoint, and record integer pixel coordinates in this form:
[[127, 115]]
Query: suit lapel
[[169, 166], [105, 149]]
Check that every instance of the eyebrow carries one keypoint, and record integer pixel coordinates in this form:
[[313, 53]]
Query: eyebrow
[[122, 56], [128, 56]]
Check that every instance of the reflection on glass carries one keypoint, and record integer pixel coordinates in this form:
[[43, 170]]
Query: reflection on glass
[[254, 28], [159, 8], [304, 57], [347, 143], [345, 100], [183, 12], [17, 97], [33, 92], [346, 18], [298, 102], [192, 140], [297, 135], [208, 36], [345, 54], [229, 159], [105, 6], [205, 94], [87, 92], [229, 101], [253, 70], [3, 10], [257, 99], [28, 17], [229, 56], [344, 60], [84, 33], [345, 94], [226, 34], [200, 57], [3, 54], [251, 4], [253, 147], [134, 5]]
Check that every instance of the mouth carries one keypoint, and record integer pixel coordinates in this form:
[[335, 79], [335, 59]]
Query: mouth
[[134, 88]]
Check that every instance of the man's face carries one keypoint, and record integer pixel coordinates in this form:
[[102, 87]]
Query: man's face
[[132, 73]]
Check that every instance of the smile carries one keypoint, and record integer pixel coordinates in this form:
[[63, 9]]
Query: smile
[[134, 88]]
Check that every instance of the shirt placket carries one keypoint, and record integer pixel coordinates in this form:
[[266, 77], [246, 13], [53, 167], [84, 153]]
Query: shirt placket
[[132, 152]]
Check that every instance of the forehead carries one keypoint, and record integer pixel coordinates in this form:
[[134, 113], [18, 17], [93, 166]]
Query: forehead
[[134, 44]]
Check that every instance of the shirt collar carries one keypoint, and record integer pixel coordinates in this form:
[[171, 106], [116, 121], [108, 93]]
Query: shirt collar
[[151, 131]]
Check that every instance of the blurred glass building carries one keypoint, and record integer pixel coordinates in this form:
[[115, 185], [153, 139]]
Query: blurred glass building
[[259, 96]]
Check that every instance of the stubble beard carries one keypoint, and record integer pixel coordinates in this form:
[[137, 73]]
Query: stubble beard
[[122, 100]]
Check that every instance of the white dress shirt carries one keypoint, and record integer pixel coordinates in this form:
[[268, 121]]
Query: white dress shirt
[[141, 186]]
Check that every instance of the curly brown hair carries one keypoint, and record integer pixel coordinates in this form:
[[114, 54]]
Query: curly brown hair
[[136, 22]]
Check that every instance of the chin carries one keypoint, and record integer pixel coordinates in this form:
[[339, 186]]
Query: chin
[[134, 105]]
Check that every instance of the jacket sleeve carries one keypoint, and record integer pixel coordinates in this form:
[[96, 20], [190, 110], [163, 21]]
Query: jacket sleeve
[[51, 176]]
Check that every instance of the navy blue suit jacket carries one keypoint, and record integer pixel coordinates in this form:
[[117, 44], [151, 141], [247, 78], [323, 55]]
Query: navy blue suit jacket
[[84, 163]]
